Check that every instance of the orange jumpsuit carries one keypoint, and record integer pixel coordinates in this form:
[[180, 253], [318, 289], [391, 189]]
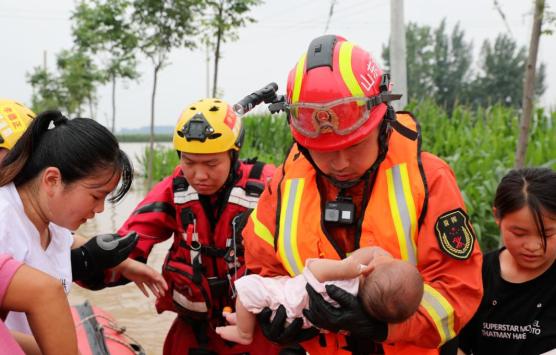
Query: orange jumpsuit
[[439, 239]]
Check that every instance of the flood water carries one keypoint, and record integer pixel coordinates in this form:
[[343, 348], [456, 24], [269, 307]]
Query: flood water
[[127, 303]]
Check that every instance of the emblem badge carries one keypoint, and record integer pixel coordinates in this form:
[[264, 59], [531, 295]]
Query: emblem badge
[[455, 234]]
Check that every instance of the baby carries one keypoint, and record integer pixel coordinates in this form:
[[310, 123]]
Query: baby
[[389, 289]]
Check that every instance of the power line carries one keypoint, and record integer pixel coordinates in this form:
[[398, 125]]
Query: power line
[[330, 13], [503, 16]]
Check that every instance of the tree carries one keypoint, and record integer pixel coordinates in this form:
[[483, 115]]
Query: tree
[[419, 61], [438, 65], [529, 84], [500, 79], [47, 94], [79, 77], [220, 25], [452, 60], [105, 28], [162, 26], [70, 88]]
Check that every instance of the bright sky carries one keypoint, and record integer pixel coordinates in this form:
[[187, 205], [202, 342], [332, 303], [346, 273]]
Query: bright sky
[[265, 51]]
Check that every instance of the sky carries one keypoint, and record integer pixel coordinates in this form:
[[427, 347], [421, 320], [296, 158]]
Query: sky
[[265, 51]]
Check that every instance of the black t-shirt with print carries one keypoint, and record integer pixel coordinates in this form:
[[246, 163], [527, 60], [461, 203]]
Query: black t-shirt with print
[[512, 318]]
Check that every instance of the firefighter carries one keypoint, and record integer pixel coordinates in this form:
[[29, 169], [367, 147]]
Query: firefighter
[[203, 205], [14, 120], [356, 177]]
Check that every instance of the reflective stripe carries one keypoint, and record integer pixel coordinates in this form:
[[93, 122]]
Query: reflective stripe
[[402, 208], [189, 195], [287, 238], [346, 70], [260, 229], [441, 312], [240, 197], [299, 71], [200, 307]]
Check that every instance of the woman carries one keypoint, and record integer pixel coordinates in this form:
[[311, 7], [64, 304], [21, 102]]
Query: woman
[[56, 177], [518, 312]]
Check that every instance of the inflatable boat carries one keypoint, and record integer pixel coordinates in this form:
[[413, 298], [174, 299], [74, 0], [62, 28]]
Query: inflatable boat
[[99, 334]]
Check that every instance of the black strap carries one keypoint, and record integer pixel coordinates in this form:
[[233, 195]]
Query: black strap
[[205, 249], [157, 207], [179, 183], [256, 170], [253, 186], [403, 130]]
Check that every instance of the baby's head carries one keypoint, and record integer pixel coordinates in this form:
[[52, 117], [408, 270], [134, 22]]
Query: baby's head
[[392, 292]]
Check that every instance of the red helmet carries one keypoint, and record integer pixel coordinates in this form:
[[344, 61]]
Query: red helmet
[[334, 95]]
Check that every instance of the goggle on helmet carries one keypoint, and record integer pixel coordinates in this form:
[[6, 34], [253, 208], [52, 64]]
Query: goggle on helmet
[[336, 95]]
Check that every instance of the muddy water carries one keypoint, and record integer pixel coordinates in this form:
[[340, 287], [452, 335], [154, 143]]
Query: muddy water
[[127, 304]]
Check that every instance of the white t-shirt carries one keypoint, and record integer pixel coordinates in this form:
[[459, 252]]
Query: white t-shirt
[[20, 239]]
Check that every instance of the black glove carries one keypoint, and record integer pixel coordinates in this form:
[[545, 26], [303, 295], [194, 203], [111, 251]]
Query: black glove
[[275, 331], [100, 253], [349, 316]]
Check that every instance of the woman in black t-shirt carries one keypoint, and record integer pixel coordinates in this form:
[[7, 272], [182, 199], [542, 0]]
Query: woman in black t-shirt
[[518, 312]]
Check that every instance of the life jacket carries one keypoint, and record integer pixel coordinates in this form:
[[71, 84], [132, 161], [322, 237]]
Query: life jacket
[[203, 262], [390, 219]]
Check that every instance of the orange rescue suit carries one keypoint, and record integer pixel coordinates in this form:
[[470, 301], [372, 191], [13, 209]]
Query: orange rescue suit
[[412, 196]]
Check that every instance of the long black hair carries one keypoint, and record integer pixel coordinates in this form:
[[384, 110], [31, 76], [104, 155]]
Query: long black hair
[[79, 148], [531, 187]]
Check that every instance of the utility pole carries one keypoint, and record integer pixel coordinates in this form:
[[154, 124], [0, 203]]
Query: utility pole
[[398, 69], [207, 59], [529, 85]]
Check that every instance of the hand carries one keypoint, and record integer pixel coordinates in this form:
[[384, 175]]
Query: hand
[[143, 275], [100, 253], [350, 316], [276, 332]]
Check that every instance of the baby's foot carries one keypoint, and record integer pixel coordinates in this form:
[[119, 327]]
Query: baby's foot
[[231, 333]]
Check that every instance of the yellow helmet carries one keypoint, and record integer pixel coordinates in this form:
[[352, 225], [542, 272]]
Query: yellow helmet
[[208, 126], [14, 120]]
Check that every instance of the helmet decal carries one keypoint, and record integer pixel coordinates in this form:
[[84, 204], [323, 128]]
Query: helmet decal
[[14, 120]]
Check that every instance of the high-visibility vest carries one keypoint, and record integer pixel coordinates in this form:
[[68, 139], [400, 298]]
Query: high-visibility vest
[[391, 218]]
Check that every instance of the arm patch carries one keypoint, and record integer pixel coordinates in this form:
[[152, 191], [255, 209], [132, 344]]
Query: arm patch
[[454, 234]]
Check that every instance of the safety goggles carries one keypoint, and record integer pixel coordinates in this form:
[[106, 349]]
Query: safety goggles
[[342, 116]]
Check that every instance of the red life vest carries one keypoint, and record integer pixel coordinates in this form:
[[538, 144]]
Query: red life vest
[[204, 260]]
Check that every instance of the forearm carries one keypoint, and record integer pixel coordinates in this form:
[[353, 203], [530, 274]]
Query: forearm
[[52, 325], [43, 300], [329, 269]]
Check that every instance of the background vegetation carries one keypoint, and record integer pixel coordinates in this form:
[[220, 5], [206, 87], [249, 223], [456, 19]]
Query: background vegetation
[[479, 144]]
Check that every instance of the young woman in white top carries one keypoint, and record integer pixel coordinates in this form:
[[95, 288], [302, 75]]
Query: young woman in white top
[[57, 176]]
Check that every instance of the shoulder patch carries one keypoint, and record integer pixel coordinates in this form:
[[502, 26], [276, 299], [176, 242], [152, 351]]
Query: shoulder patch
[[455, 234]]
